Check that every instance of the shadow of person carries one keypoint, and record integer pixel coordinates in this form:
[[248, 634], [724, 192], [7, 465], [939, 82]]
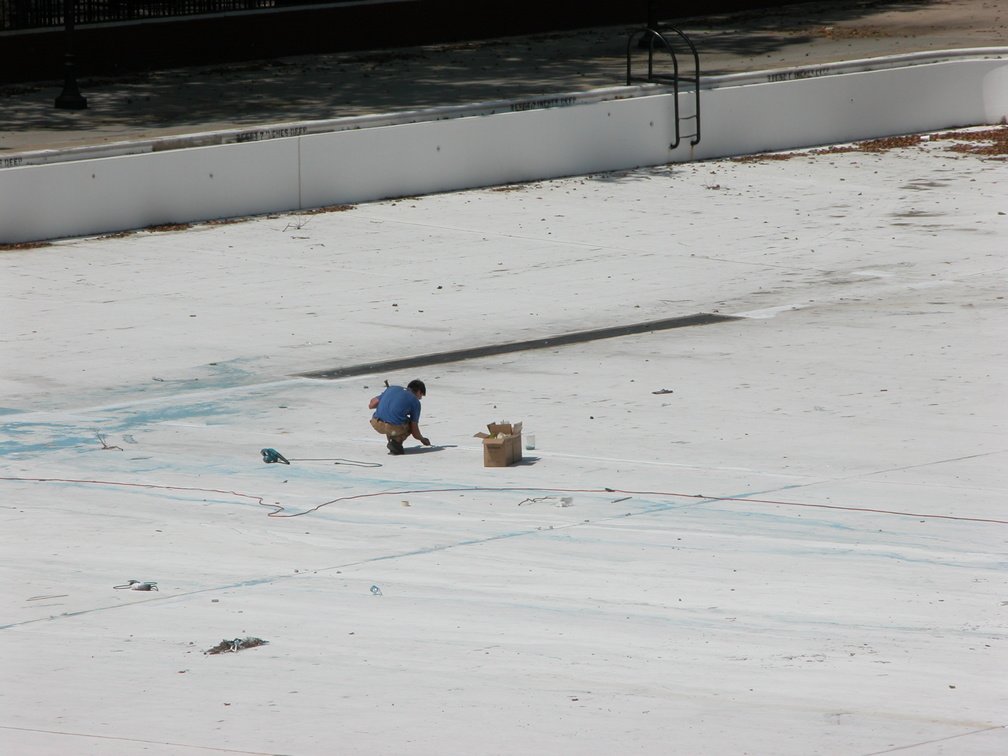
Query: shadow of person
[[428, 449]]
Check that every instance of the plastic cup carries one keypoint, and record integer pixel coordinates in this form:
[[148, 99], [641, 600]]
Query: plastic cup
[[530, 441]]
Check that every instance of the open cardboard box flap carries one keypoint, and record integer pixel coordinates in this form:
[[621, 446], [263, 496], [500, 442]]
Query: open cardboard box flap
[[499, 430], [502, 446]]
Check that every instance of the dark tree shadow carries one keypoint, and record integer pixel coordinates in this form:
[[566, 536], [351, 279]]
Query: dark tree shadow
[[316, 87]]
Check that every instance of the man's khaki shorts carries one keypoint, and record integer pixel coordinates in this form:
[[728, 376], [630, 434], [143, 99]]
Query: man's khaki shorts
[[396, 432]]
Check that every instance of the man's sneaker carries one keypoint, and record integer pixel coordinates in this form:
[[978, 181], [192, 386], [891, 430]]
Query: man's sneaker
[[395, 447]]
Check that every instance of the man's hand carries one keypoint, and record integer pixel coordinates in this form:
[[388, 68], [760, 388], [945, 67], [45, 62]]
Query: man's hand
[[425, 441]]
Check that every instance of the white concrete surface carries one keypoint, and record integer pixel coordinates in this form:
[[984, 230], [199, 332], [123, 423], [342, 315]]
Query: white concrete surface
[[802, 551], [354, 160]]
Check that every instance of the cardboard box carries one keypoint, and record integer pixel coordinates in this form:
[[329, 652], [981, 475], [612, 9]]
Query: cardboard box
[[502, 446]]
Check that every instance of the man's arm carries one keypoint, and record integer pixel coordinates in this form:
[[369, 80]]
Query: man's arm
[[415, 431], [373, 404]]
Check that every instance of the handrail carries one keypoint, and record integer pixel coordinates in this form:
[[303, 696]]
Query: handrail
[[652, 35]]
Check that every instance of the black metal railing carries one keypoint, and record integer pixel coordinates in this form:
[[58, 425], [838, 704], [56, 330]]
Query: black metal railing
[[41, 14], [651, 38]]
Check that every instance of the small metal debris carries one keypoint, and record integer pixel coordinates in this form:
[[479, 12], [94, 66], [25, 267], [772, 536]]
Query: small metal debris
[[137, 585], [376, 590], [236, 645], [563, 501], [105, 446]]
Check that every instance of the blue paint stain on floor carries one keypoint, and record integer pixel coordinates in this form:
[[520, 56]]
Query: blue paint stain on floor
[[172, 413], [66, 442], [35, 437]]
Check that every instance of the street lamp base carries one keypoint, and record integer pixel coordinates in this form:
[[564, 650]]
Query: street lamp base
[[71, 100]]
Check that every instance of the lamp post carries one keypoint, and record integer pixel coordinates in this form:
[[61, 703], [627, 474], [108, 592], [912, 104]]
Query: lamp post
[[70, 98], [652, 15], [647, 41]]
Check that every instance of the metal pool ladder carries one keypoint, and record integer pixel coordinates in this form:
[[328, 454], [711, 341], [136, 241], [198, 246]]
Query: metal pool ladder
[[654, 38]]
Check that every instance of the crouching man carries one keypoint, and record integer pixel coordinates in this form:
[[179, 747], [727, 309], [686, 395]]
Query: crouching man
[[397, 414]]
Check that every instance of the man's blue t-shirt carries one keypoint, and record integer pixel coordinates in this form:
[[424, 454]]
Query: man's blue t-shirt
[[398, 406]]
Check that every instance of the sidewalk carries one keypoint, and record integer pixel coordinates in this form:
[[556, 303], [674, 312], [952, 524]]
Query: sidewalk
[[181, 101]]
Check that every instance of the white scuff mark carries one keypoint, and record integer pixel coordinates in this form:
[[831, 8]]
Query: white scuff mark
[[768, 312], [872, 273]]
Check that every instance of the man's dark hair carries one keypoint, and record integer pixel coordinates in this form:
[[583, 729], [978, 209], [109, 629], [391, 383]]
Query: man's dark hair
[[417, 387]]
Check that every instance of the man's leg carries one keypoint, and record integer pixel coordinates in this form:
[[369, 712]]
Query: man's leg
[[396, 434]]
